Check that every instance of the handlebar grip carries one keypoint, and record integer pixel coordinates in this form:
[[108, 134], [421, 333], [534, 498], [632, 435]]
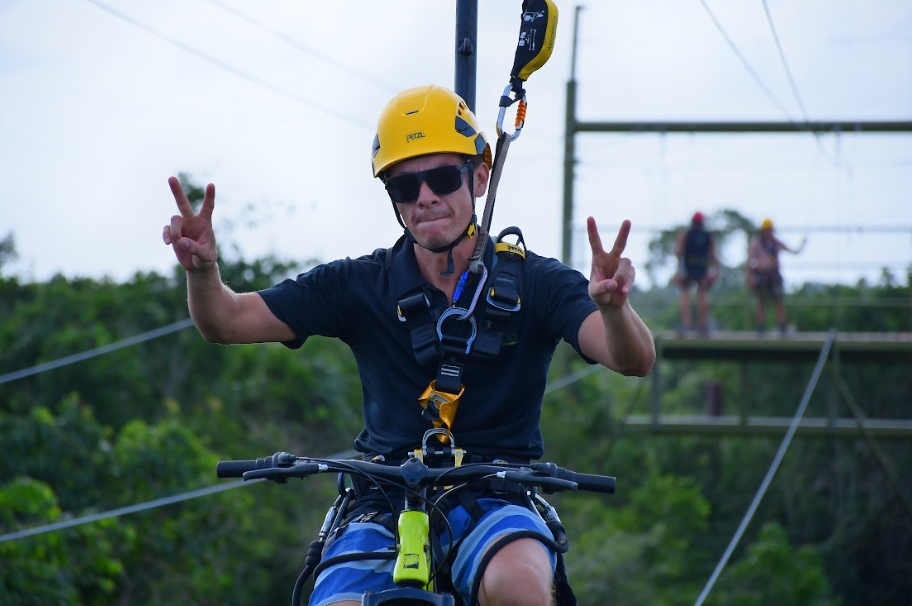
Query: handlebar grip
[[236, 469], [585, 481], [594, 483]]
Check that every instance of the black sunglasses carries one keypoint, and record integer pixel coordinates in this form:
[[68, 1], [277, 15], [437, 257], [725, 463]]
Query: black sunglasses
[[442, 180]]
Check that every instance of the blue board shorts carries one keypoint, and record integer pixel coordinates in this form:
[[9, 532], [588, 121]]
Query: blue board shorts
[[350, 580]]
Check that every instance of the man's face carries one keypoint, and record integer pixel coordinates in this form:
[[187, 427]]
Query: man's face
[[437, 220]]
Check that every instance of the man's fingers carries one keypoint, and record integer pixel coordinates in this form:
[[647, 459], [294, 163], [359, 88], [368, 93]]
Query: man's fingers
[[595, 240], [183, 204], [620, 243], [208, 202]]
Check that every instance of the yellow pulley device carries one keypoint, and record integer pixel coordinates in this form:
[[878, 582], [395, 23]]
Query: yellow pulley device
[[537, 32], [440, 408]]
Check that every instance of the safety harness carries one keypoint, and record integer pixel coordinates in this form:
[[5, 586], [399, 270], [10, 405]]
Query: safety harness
[[457, 332], [446, 339]]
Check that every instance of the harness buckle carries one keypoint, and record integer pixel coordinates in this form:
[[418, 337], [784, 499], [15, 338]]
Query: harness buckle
[[416, 302]]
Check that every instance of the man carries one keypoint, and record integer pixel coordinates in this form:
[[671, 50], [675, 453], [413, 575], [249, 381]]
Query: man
[[697, 264], [763, 276], [434, 161]]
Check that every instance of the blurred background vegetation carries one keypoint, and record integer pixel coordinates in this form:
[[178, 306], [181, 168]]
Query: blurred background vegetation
[[151, 420]]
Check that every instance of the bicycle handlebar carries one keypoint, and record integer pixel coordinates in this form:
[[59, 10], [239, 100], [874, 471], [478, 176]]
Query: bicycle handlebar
[[415, 474]]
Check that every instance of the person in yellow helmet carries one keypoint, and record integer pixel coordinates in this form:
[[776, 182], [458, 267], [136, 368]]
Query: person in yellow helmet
[[434, 162], [764, 278]]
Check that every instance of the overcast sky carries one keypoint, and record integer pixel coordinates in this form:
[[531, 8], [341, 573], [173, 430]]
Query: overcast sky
[[275, 101]]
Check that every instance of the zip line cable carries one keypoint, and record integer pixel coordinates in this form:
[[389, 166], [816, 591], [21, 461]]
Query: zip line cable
[[766, 90], [201, 492], [750, 70], [786, 441], [301, 47], [228, 67], [122, 511], [792, 84], [785, 65], [85, 355]]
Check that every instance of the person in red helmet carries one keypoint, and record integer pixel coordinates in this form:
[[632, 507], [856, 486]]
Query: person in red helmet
[[698, 264], [764, 278]]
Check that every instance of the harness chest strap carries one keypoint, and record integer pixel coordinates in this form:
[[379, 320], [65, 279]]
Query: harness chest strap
[[452, 336]]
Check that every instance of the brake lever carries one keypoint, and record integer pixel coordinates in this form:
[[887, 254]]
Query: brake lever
[[281, 474], [544, 481]]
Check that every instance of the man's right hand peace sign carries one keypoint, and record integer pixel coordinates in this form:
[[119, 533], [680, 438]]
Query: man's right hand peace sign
[[191, 235]]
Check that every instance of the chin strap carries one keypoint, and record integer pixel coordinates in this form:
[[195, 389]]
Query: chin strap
[[469, 231]]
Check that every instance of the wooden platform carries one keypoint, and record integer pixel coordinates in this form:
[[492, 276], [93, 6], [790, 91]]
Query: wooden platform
[[772, 346], [757, 425], [748, 347]]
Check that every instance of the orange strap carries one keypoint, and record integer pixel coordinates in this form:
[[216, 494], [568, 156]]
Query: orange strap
[[440, 408]]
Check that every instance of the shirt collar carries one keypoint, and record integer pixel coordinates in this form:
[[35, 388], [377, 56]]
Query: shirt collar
[[405, 277]]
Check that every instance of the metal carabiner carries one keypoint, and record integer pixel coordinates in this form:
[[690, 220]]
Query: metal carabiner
[[461, 315], [520, 112]]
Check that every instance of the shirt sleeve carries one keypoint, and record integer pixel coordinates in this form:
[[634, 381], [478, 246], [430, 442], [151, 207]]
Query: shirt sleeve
[[314, 303], [565, 300]]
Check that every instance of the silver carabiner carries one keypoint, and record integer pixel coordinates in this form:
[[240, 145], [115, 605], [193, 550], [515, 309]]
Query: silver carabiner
[[520, 114], [462, 315]]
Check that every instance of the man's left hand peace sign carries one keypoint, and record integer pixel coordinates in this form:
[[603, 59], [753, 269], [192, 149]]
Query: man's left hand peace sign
[[612, 275]]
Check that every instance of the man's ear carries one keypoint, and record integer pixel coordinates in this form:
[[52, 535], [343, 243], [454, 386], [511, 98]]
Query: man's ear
[[482, 174]]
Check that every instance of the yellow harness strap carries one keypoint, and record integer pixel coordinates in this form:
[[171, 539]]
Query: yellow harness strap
[[440, 408]]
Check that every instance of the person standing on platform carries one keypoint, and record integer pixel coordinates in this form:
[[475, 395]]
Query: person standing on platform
[[764, 278], [698, 264]]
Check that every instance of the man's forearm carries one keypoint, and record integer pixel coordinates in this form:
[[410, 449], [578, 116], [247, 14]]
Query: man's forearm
[[628, 340], [211, 304]]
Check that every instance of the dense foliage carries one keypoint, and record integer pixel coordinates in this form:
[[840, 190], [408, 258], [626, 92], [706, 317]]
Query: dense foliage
[[150, 421]]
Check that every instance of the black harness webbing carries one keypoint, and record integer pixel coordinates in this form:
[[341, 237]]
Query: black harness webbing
[[446, 339]]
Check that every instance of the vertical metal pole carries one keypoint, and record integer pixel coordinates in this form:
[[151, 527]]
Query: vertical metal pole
[[657, 387], [466, 56], [569, 152]]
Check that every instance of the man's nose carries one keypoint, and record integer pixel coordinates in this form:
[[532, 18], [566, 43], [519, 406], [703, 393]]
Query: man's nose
[[426, 195]]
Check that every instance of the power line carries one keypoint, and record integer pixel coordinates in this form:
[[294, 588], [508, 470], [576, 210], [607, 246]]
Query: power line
[[120, 512], [228, 67], [785, 66], [788, 73], [301, 47], [770, 95], [750, 70], [146, 336]]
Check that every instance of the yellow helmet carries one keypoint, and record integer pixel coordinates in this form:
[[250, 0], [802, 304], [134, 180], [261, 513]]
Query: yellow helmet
[[426, 120], [767, 224]]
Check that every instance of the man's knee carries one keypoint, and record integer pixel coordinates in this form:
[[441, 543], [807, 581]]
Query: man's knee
[[519, 574]]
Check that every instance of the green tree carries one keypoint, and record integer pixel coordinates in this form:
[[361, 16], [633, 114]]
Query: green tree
[[773, 572], [71, 567]]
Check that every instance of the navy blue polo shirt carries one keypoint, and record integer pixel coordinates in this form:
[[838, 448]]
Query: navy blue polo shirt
[[355, 300]]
